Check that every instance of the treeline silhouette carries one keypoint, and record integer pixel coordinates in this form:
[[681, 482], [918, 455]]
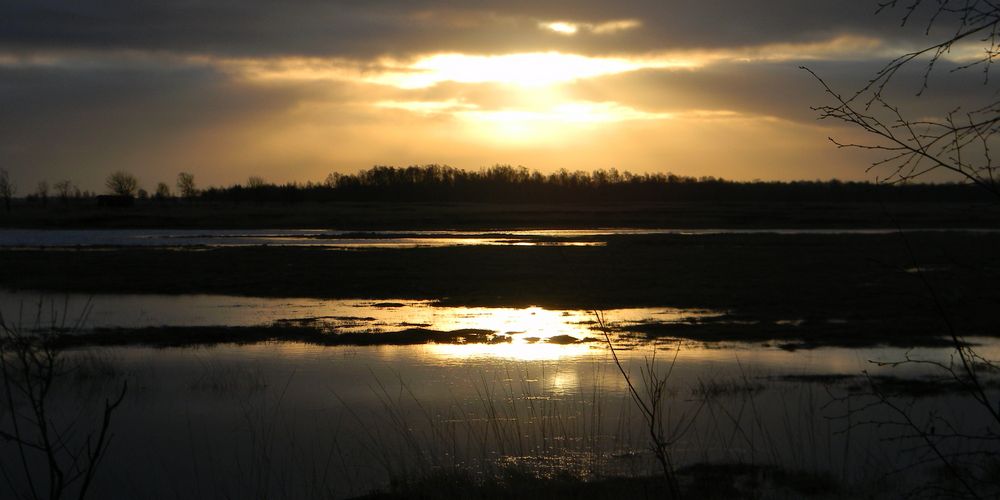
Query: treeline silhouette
[[508, 184]]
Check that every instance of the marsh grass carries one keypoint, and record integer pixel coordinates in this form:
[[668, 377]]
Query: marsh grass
[[513, 422], [516, 428], [517, 438]]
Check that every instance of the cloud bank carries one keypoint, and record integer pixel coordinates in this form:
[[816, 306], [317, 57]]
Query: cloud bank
[[294, 90]]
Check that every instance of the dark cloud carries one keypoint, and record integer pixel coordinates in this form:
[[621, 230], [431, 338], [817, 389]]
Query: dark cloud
[[784, 90], [364, 29], [77, 123]]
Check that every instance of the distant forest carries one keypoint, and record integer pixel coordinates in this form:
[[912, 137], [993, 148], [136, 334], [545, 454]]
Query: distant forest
[[507, 184], [500, 184]]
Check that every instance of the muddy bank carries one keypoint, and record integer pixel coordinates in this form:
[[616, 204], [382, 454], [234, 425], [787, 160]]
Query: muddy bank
[[210, 335]]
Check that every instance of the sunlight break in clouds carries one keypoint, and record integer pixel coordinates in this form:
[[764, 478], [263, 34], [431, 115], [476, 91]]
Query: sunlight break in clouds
[[531, 124], [427, 107], [555, 123], [563, 28], [537, 69], [570, 28], [528, 69], [564, 113], [578, 112], [534, 69]]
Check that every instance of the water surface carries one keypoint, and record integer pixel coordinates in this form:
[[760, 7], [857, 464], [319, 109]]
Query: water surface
[[294, 420], [303, 421], [30, 238], [524, 326]]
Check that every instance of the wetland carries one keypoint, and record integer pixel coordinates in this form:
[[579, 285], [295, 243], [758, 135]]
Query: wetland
[[295, 363]]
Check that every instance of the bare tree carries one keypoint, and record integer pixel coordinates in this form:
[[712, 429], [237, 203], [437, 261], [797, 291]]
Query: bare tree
[[332, 179], [162, 191], [255, 182], [961, 141], [651, 400], [42, 191], [915, 144], [30, 366], [122, 183], [186, 186], [7, 188], [64, 189]]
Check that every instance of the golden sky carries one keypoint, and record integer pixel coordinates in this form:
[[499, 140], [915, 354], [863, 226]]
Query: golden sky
[[291, 91]]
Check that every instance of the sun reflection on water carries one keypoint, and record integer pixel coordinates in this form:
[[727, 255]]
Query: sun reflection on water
[[521, 323], [514, 351], [516, 333]]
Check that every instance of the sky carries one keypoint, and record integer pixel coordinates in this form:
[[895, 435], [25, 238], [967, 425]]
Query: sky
[[296, 89]]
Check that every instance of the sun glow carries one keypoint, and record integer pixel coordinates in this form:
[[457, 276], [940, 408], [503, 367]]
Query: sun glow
[[427, 107], [567, 112], [561, 27], [531, 69], [529, 123], [519, 351], [606, 28], [535, 69], [577, 112], [503, 99], [551, 123], [531, 331]]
